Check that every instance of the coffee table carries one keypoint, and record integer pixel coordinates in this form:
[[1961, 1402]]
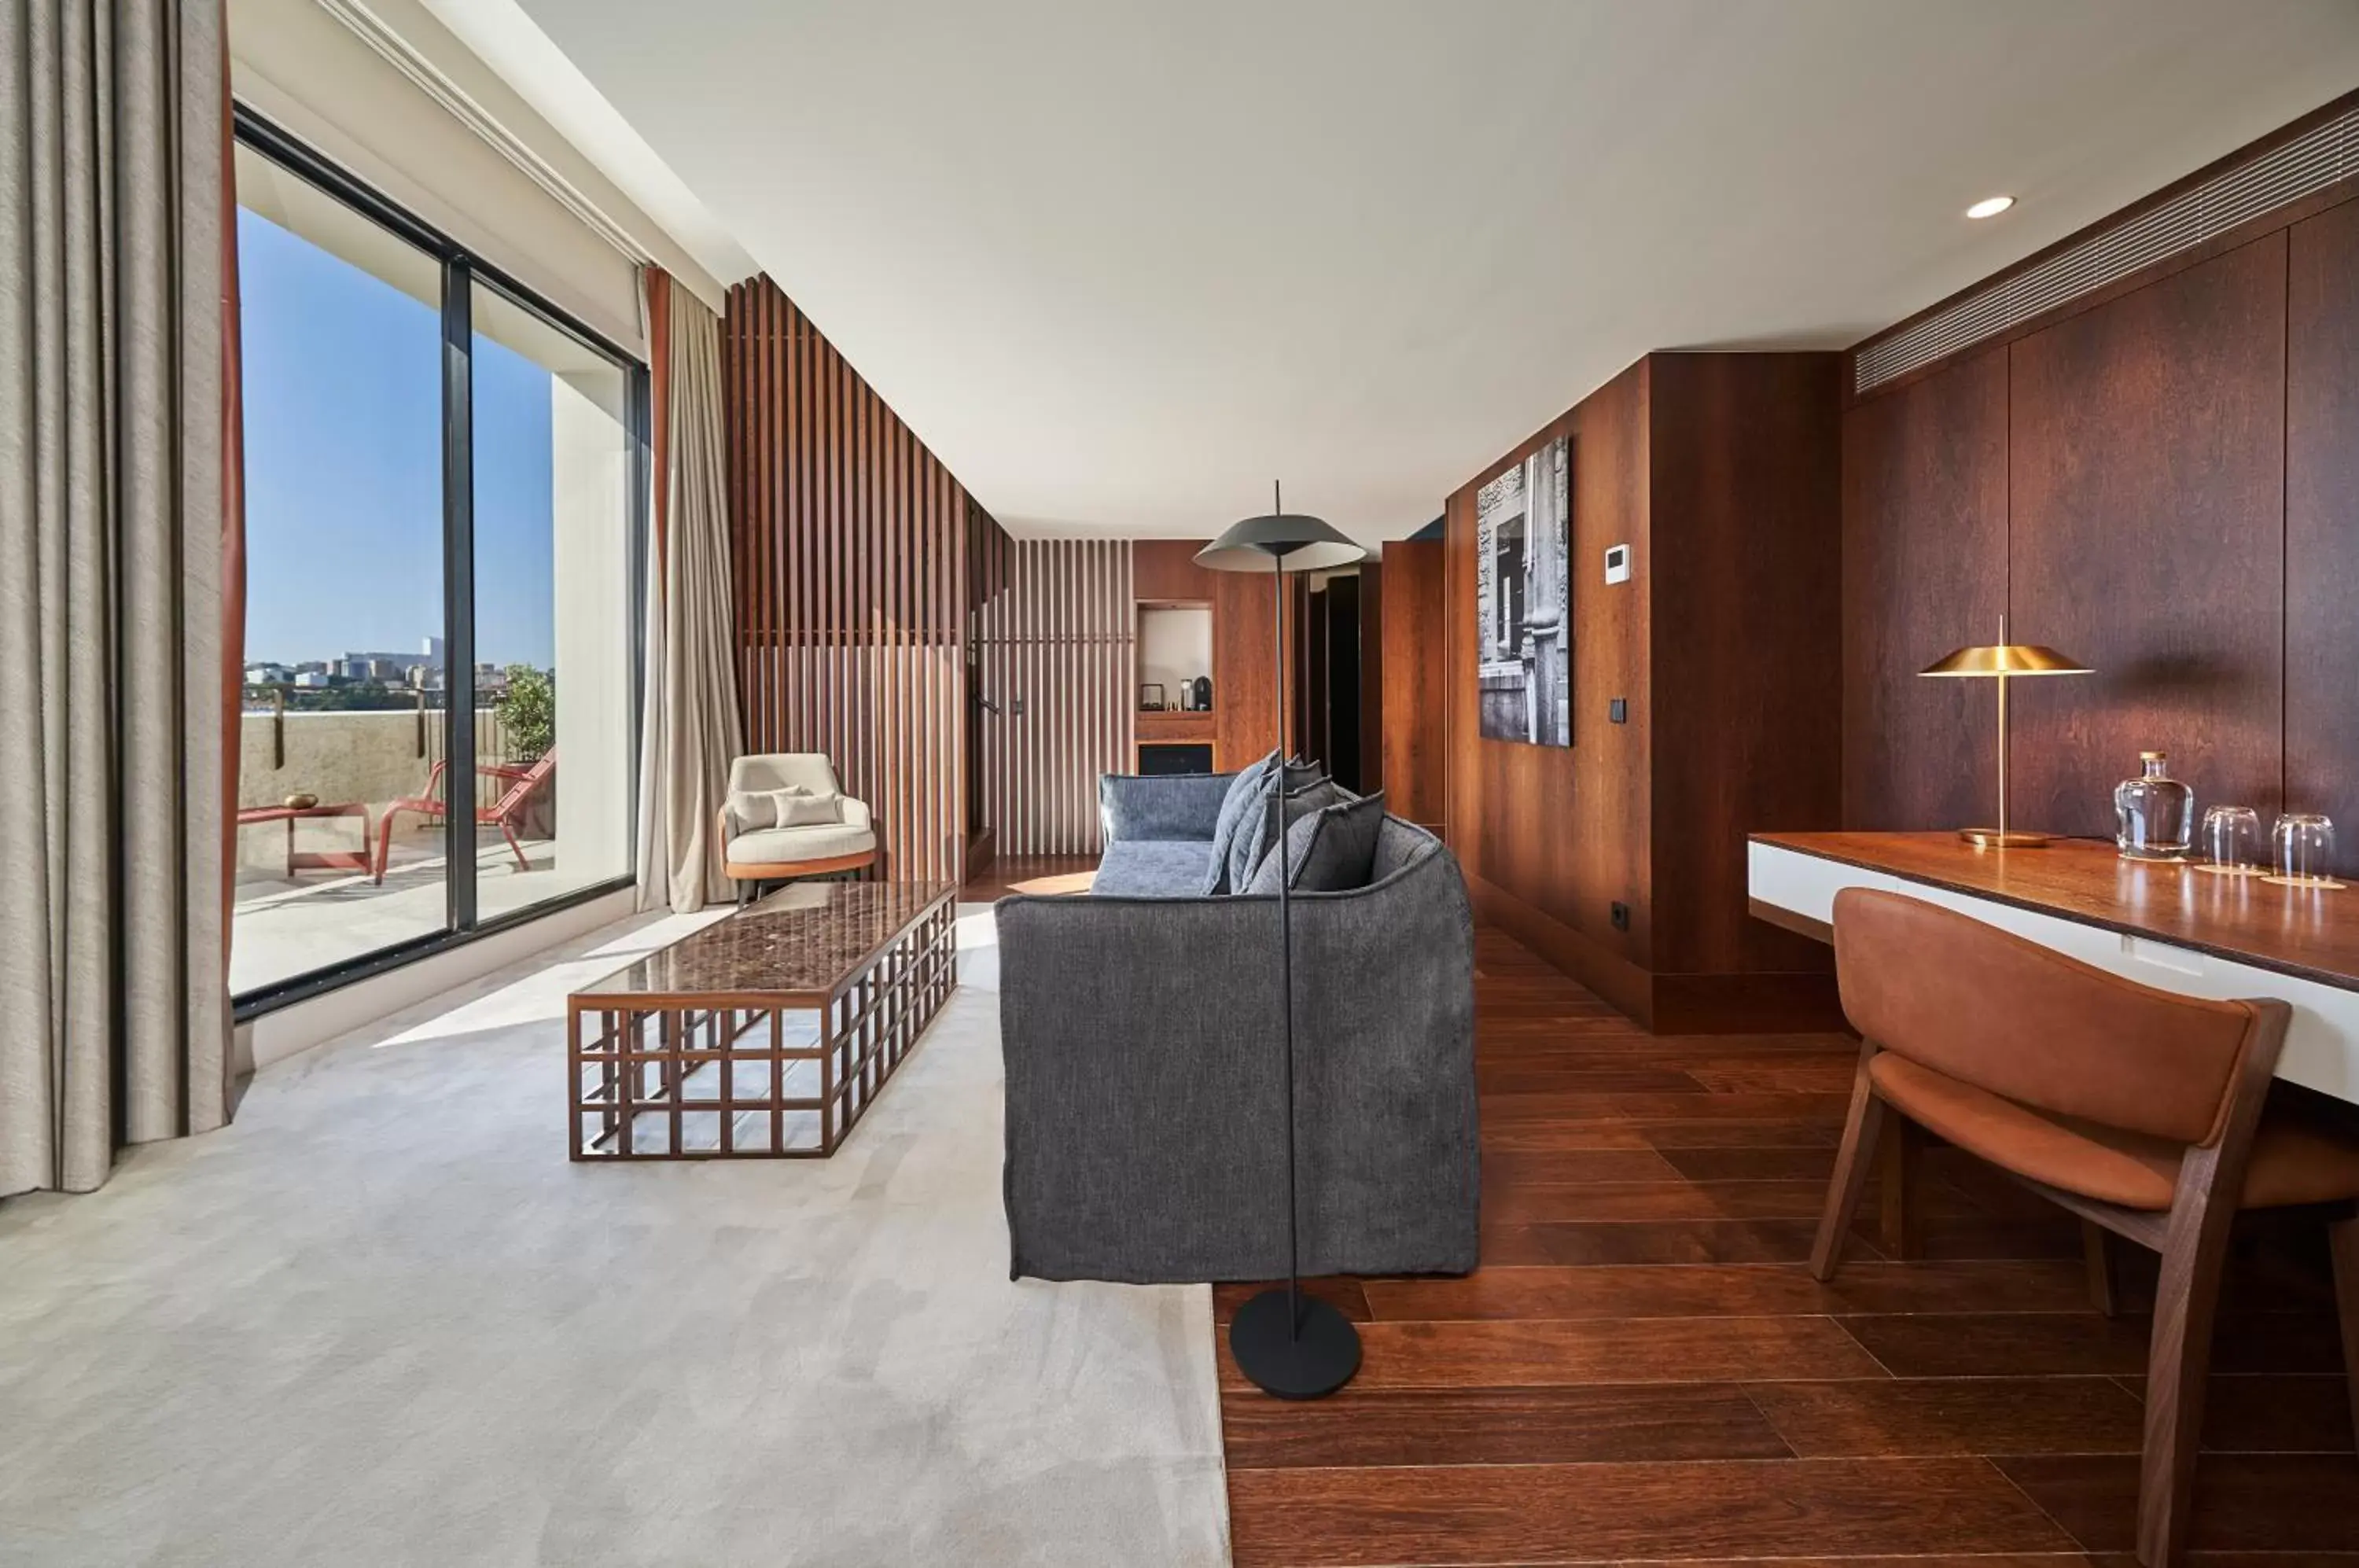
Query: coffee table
[[313, 859], [766, 1034]]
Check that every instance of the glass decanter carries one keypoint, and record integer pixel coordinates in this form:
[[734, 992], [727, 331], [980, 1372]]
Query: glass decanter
[[2155, 813]]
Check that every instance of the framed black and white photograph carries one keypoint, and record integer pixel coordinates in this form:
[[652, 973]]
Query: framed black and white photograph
[[1523, 599]]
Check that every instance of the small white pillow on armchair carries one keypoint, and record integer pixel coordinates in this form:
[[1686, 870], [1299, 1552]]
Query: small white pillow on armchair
[[798, 808], [793, 806]]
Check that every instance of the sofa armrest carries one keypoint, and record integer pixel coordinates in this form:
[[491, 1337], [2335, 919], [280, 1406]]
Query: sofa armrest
[[856, 813], [1144, 1096], [1161, 806], [1146, 1105]]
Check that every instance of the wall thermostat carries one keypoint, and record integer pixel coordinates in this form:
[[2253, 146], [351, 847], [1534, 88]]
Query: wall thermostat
[[1617, 563]]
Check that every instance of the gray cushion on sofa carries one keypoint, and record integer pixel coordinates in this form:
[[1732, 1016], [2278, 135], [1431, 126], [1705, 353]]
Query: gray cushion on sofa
[[1306, 790], [1152, 868], [1331, 850], [1243, 798], [1160, 805]]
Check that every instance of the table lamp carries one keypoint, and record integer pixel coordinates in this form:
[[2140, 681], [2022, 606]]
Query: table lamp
[[2002, 661]]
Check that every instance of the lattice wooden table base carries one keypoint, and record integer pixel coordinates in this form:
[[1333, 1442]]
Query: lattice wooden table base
[[720, 1077]]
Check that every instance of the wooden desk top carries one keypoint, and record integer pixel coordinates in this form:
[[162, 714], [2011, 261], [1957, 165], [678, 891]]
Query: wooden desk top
[[2309, 933]]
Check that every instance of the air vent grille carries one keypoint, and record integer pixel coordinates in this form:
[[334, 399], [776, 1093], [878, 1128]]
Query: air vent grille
[[2283, 174]]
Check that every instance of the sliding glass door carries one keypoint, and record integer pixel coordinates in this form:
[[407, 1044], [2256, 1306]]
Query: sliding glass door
[[444, 484], [553, 576]]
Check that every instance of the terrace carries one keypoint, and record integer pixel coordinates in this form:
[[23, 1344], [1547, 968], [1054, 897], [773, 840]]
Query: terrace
[[306, 898]]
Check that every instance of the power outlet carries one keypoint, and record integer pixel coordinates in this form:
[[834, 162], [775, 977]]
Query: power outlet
[[1617, 710], [1621, 916]]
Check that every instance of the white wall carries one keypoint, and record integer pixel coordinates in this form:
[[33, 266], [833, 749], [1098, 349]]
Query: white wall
[[297, 65], [589, 481], [1174, 646]]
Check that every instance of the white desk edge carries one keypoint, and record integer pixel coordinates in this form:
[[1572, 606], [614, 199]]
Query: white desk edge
[[2322, 1049]]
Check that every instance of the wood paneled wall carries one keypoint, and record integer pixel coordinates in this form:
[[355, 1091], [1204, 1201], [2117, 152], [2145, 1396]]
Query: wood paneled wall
[[1166, 569], [1245, 665], [2160, 481], [2322, 522], [1371, 679], [1550, 838], [1410, 641], [1745, 645], [851, 545], [2146, 489], [1059, 663], [1720, 471], [1924, 559]]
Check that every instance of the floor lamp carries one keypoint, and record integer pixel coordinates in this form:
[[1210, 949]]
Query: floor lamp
[[1290, 1346]]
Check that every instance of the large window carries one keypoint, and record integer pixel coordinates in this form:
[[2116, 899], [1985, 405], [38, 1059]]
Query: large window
[[553, 576], [443, 481]]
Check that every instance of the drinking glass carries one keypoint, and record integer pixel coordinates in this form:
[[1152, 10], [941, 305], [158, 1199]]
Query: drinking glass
[[2304, 850], [2232, 841]]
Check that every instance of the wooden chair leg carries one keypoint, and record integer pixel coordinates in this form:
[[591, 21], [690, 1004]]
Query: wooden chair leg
[[1861, 1130], [2343, 1241], [1900, 1212], [2186, 1300], [2097, 1252]]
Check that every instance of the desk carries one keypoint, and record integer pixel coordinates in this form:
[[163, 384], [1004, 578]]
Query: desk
[[2166, 925]]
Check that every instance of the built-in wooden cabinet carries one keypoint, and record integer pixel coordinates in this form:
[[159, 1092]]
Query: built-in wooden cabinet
[[1167, 580]]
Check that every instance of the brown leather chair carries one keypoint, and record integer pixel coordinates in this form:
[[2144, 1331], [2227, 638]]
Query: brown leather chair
[[2143, 1111]]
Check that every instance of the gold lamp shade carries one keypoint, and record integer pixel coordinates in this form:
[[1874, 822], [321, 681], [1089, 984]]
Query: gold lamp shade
[[1999, 662], [2005, 658]]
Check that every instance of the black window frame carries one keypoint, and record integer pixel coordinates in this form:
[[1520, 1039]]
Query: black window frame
[[462, 269]]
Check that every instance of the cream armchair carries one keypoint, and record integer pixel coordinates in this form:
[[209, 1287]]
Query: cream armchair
[[758, 852]]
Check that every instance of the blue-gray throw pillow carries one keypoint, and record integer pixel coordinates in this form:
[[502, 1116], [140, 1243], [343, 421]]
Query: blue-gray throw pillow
[[1306, 791], [1331, 850], [1243, 800]]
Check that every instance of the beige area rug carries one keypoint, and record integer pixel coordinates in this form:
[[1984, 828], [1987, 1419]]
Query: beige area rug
[[383, 1320]]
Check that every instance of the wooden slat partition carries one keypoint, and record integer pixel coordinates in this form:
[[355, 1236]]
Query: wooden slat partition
[[1059, 647], [853, 547]]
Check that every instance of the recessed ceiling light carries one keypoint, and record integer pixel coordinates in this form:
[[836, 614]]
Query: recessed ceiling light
[[1990, 206]]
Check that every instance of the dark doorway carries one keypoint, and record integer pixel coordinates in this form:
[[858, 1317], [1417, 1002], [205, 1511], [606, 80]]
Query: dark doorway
[[1341, 673], [1334, 715]]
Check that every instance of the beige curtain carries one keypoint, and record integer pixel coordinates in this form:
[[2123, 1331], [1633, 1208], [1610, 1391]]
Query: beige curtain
[[112, 927], [690, 729]]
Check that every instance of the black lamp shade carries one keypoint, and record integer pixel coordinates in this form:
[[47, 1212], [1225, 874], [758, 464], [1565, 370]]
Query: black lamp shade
[[1282, 541]]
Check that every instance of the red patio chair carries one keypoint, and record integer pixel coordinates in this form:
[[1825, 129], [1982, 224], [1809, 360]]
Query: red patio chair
[[501, 813]]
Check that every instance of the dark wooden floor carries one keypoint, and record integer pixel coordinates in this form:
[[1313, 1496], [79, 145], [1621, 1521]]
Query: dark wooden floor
[[1642, 1369]]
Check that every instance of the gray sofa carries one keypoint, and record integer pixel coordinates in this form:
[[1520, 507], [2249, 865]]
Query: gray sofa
[[1146, 1106]]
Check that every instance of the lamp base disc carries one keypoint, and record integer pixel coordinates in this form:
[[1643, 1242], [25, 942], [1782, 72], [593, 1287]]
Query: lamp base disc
[[1991, 838], [1309, 1364]]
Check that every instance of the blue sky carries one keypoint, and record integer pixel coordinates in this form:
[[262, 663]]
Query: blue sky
[[343, 467]]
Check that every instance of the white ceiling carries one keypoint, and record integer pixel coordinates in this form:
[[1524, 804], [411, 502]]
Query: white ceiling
[[504, 37], [1120, 265]]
